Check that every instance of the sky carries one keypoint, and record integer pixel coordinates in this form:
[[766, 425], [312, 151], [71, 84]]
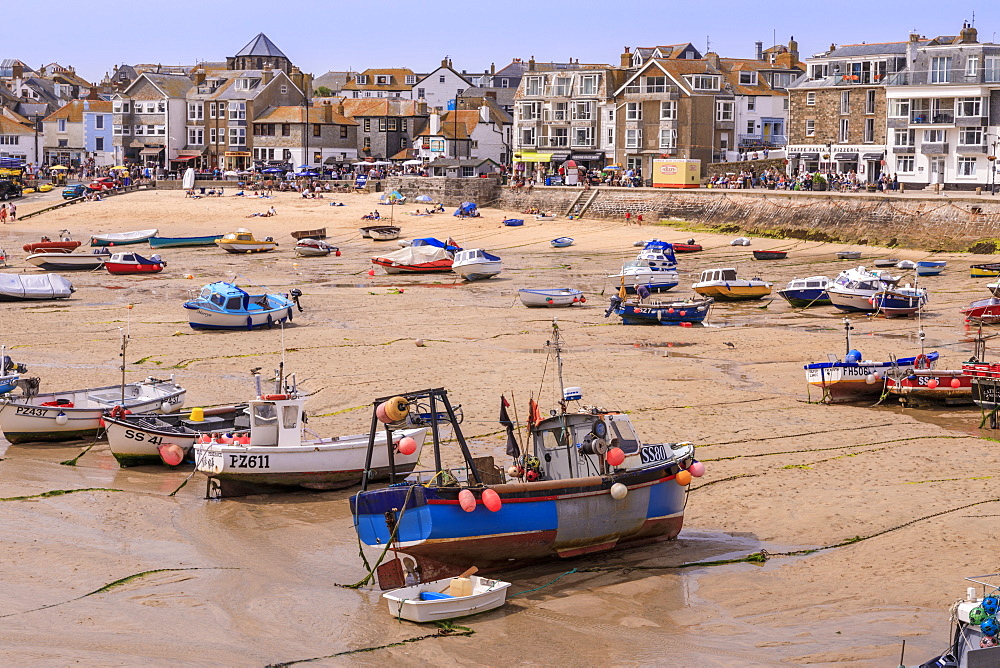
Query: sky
[[321, 36]]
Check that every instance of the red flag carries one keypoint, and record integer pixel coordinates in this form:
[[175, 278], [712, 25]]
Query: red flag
[[534, 415]]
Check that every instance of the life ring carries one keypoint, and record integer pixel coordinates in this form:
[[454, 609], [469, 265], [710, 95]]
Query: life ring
[[921, 361], [117, 412], [275, 397]]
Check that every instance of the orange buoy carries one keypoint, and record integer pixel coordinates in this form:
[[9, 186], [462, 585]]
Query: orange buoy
[[491, 500], [394, 410], [683, 478], [615, 456], [171, 454], [467, 500], [407, 446]]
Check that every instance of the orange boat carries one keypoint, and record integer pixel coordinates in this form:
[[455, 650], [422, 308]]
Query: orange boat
[[65, 245]]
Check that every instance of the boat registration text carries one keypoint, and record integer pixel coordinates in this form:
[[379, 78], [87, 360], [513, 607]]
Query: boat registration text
[[650, 454]]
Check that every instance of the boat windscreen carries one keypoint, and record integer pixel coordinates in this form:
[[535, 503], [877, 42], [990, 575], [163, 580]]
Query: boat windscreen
[[627, 440]]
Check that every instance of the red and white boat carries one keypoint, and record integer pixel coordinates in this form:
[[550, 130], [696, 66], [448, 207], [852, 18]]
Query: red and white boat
[[986, 311], [415, 260], [133, 263], [946, 386], [46, 245]]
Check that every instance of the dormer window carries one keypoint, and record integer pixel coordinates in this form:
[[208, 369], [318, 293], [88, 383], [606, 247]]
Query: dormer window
[[382, 79], [361, 79], [703, 82], [247, 84], [748, 78], [411, 79]]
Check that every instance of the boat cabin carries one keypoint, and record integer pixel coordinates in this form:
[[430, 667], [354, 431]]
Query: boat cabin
[[474, 255], [239, 236], [718, 275], [813, 282], [657, 254], [227, 297], [276, 420], [573, 445], [133, 258]]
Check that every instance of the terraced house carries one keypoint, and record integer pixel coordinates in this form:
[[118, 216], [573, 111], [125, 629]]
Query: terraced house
[[298, 135]]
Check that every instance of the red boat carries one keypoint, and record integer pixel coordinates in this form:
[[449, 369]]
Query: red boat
[[985, 311], [686, 248], [65, 245], [932, 385], [415, 260], [133, 263]]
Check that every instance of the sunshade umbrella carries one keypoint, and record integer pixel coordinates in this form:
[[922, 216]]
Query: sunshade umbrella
[[425, 198], [58, 167], [273, 170], [570, 163], [303, 166], [468, 204], [119, 167]]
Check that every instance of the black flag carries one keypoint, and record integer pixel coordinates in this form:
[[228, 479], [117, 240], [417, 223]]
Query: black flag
[[512, 449]]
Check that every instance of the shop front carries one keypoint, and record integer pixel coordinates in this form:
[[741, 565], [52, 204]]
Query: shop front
[[238, 160]]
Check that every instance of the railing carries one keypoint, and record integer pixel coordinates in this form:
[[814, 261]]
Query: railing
[[554, 142], [926, 118], [644, 89], [762, 141], [935, 148], [904, 148], [863, 79]]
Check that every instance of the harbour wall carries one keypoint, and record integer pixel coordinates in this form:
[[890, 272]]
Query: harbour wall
[[930, 222]]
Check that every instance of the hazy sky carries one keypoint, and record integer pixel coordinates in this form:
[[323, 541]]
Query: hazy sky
[[321, 36]]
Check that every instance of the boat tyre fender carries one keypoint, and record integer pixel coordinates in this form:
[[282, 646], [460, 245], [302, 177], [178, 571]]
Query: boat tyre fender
[[921, 362], [270, 321], [289, 316]]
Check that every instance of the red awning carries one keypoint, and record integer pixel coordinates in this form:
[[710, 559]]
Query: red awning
[[183, 158]]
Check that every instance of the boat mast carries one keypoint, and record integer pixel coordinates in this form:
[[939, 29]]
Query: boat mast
[[847, 332], [556, 344], [122, 355]]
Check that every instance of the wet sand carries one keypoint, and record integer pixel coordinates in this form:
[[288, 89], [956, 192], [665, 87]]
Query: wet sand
[[783, 474]]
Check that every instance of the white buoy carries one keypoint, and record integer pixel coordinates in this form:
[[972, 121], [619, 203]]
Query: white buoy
[[618, 491], [62, 419]]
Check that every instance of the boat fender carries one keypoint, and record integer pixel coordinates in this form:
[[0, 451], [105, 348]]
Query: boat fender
[[956, 383], [932, 384], [492, 500], [249, 323], [117, 412], [615, 456], [171, 454], [618, 491], [467, 500], [515, 472], [275, 397], [270, 321], [394, 410], [697, 469], [583, 300], [683, 478], [61, 418], [289, 314], [407, 446]]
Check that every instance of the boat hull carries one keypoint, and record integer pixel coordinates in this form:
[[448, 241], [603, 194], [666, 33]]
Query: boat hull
[[135, 440], [733, 292], [654, 281], [132, 268], [913, 387], [769, 255], [478, 271], [438, 266], [805, 297], [254, 247], [986, 311], [537, 298], [181, 242], [125, 239], [200, 318], [66, 261], [687, 248], [311, 251], [51, 246], [407, 603], [663, 314], [849, 381], [325, 464], [564, 518]]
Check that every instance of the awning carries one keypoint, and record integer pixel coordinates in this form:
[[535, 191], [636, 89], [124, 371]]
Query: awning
[[329, 161], [151, 151], [871, 156], [845, 157], [588, 156], [793, 156], [183, 158], [559, 156], [189, 154], [809, 156], [532, 156]]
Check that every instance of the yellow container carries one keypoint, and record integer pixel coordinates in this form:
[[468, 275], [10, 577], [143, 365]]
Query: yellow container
[[460, 587], [197, 415]]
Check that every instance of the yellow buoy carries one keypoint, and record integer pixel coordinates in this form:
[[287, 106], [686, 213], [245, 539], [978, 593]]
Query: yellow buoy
[[197, 415], [394, 410]]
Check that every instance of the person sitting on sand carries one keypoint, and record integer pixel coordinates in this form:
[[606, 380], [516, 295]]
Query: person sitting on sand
[[376, 215], [271, 212]]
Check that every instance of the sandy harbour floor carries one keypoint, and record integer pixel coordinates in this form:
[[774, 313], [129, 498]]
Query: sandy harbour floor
[[783, 474]]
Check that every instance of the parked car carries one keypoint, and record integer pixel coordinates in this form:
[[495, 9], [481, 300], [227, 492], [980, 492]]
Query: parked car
[[74, 191], [103, 183], [9, 189]]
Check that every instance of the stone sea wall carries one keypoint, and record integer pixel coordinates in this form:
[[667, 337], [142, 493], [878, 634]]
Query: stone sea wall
[[932, 222]]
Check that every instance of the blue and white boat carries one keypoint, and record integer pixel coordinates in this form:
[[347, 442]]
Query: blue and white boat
[[513, 222], [562, 242], [586, 484], [683, 312], [654, 268], [930, 268], [900, 301], [854, 289], [223, 305], [476, 264], [857, 378], [802, 292]]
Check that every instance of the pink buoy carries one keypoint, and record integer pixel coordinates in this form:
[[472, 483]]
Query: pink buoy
[[467, 500], [407, 446], [932, 384], [956, 383], [380, 414], [615, 456], [697, 469], [171, 454], [491, 500]]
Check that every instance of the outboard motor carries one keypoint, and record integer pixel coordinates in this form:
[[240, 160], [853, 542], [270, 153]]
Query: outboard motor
[[616, 301], [295, 293]]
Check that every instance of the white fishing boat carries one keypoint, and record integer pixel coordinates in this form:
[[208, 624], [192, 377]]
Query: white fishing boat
[[58, 261], [849, 255], [475, 264], [63, 416], [740, 241], [551, 296], [449, 598], [655, 268], [17, 287], [366, 232], [122, 238], [274, 454], [314, 248], [222, 305], [384, 233], [723, 284], [544, 218], [150, 438], [854, 289]]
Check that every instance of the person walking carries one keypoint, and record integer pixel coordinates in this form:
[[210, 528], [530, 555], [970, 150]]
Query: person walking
[[628, 217], [12, 210], [3, 213]]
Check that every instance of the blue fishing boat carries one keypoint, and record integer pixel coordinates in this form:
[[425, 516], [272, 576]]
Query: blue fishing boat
[[513, 222], [654, 268], [223, 305], [685, 312], [562, 242], [803, 292], [587, 483], [177, 242], [930, 268]]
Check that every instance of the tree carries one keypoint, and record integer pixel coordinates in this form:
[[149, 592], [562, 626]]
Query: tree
[[323, 91]]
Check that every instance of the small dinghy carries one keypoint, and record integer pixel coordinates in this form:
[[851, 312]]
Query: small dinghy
[[769, 255], [723, 284], [63, 416], [562, 242], [150, 438], [314, 248], [687, 248], [532, 297], [17, 287], [243, 241], [122, 238], [183, 242], [802, 292], [544, 217], [450, 598], [133, 263], [947, 386], [275, 456], [740, 241], [646, 311], [46, 245], [65, 261], [475, 264], [416, 259], [318, 233], [222, 305], [849, 255], [986, 311], [366, 232], [513, 222], [886, 263], [983, 270], [930, 267], [906, 264], [384, 233]]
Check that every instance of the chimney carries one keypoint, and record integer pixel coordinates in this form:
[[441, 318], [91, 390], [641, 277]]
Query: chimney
[[969, 34], [444, 62], [493, 68], [422, 107], [531, 64], [484, 114], [626, 59], [435, 121], [713, 59], [327, 113], [833, 47], [267, 74], [758, 50], [199, 76], [793, 48], [17, 71]]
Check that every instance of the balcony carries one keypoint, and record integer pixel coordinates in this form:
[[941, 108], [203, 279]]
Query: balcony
[[938, 148], [553, 142], [761, 141], [926, 118], [904, 148], [861, 79], [971, 149]]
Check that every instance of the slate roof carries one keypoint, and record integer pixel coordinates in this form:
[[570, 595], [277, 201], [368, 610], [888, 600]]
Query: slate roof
[[380, 106], [172, 85], [261, 46], [503, 96], [855, 50], [397, 80], [294, 114]]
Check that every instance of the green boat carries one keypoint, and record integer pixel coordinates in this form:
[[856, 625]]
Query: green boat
[[177, 242]]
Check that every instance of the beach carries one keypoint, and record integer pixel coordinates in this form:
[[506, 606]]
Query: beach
[[255, 580]]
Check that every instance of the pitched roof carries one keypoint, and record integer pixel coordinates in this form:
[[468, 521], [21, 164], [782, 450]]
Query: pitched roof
[[9, 127], [397, 80], [885, 48], [380, 106], [503, 96], [295, 114], [261, 46], [171, 85]]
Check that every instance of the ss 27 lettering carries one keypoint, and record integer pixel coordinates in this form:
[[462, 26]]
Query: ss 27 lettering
[[250, 461]]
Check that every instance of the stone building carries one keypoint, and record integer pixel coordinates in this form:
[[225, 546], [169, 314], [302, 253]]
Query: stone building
[[297, 135], [385, 126], [149, 124], [393, 83]]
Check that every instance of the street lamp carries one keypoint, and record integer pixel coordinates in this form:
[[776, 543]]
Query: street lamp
[[993, 169]]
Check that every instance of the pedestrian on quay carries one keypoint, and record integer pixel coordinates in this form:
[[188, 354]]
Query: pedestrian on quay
[[628, 217], [638, 219], [3, 213], [12, 210]]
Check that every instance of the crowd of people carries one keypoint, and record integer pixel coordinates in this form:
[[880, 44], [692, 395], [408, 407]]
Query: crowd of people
[[772, 179]]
